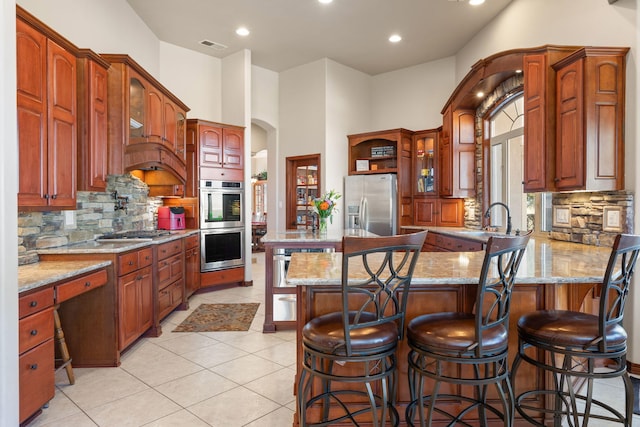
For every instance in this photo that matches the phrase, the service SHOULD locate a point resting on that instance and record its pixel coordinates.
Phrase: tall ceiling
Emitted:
(289, 33)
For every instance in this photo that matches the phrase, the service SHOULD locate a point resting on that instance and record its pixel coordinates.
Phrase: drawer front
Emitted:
(170, 270)
(35, 329)
(80, 285)
(192, 241)
(35, 302)
(145, 257)
(165, 250)
(127, 263)
(36, 374)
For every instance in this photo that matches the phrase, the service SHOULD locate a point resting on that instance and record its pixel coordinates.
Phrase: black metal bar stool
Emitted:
(349, 362)
(467, 349)
(573, 348)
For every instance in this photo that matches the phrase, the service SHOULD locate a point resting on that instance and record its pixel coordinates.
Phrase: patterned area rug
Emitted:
(219, 317)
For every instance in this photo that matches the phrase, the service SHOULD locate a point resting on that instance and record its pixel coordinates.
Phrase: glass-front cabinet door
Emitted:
(303, 185)
(425, 147)
(137, 110)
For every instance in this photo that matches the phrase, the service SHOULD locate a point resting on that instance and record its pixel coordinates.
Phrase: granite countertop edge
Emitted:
(40, 274)
(115, 247)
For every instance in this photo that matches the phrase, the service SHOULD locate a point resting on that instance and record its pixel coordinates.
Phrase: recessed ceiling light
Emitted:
(325, 1)
(395, 38)
(475, 2)
(518, 71)
(243, 31)
(480, 94)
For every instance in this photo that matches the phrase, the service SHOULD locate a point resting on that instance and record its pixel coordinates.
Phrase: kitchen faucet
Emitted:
(487, 214)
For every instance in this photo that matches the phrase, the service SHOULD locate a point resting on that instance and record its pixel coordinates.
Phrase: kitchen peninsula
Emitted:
(553, 274)
(276, 245)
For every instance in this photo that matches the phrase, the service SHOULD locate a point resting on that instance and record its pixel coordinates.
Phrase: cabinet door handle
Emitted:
(34, 332)
(55, 196)
(556, 179)
(46, 196)
(33, 304)
(139, 278)
(33, 366)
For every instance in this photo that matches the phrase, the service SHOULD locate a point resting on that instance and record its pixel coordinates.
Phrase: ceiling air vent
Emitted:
(213, 45)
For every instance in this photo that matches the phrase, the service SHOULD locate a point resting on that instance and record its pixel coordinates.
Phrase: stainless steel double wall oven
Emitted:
(221, 224)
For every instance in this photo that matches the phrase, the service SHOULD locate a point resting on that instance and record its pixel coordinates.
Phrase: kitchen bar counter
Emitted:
(553, 275)
(276, 291)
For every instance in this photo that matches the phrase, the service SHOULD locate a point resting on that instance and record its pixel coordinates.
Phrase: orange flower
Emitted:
(324, 206)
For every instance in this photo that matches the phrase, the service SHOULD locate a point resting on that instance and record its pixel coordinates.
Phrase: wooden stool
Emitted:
(58, 335)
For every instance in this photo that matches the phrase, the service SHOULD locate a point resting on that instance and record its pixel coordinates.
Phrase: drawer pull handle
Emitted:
(87, 284)
(130, 262)
(33, 304)
(34, 332)
(139, 278)
(33, 366)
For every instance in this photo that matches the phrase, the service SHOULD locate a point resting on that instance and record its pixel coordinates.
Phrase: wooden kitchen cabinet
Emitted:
(135, 295)
(387, 151)
(438, 212)
(192, 264)
(215, 151)
(590, 101)
(36, 351)
(46, 113)
(145, 125)
(170, 270)
(456, 154)
(92, 121)
(540, 117)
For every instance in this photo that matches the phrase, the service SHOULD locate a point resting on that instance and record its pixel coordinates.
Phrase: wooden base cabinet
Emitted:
(170, 277)
(192, 265)
(36, 361)
(436, 212)
(135, 295)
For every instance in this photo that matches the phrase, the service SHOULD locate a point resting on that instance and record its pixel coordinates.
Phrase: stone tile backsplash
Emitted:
(95, 215)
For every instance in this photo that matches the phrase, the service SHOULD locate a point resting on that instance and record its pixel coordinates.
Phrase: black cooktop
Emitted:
(135, 234)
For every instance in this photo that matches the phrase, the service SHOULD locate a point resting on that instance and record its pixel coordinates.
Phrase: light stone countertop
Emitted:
(107, 247)
(306, 236)
(32, 276)
(545, 261)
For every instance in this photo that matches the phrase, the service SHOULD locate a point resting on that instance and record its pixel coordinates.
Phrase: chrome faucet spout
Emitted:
(487, 214)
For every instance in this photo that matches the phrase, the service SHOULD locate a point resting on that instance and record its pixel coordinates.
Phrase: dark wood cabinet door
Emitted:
(233, 146)
(170, 123)
(451, 212)
(535, 142)
(464, 152)
(62, 126)
(210, 146)
(570, 149)
(445, 155)
(92, 125)
(155, 115)
(424, 212)
(145, 300)
(128, 309)
(31, 52)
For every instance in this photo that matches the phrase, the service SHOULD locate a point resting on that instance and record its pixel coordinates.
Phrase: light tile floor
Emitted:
(220, 379)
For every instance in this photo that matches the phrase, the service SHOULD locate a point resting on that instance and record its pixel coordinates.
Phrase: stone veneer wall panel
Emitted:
(95, 215)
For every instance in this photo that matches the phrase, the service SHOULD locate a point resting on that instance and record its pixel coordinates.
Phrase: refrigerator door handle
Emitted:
(363, 217)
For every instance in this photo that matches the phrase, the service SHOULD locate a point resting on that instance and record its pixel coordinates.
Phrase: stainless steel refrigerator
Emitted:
(370, 203)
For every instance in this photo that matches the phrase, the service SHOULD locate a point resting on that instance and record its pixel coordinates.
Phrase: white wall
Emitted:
(194, 78)
(302, 103)
(413, 97)
(348, 110)
(103, 26)
(8, 219)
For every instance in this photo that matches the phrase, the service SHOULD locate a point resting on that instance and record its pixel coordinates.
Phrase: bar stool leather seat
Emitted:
(348, 369)
(467, 349)
(326, 333)
(574, 348)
